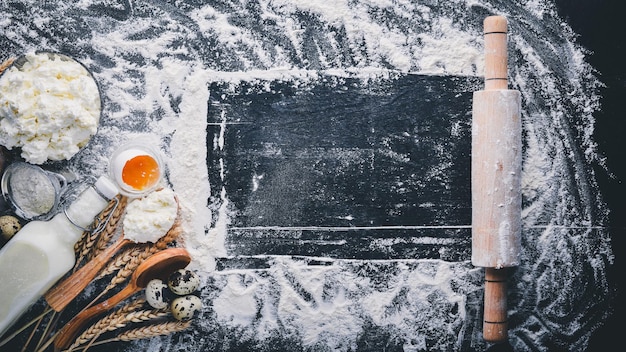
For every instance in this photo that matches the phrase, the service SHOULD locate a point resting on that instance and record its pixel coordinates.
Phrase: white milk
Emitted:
(43, 251)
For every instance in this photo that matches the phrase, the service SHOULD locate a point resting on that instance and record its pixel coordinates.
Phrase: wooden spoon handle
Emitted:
(70, 331)
(63, 293)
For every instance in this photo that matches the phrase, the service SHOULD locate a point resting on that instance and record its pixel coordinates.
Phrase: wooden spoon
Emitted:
(159, 265)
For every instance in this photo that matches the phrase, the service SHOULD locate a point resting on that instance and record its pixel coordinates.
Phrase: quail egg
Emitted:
(184, 308)
(157, 294)
(183, 282)
(9, 226)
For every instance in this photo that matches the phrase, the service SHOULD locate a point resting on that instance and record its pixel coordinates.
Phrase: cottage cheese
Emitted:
(49, 107)
(149, 218)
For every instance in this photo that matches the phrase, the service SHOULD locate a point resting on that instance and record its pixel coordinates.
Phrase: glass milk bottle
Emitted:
(43, 251)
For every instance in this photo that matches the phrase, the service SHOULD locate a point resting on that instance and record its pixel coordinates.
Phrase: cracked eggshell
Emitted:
(183, 282)
(185, 308)
(157, 294)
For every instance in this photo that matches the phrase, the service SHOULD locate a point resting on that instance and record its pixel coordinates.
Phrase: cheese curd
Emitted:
(49, 107)
(149, 218)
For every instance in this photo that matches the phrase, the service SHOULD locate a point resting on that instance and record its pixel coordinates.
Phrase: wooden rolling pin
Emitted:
(496, 179)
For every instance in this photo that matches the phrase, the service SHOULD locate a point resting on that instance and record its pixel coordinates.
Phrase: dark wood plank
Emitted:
(341, 155)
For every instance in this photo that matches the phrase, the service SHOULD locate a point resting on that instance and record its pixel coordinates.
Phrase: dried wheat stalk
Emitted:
(126, 262)
(6, 64)
(144, 332)
(110, 227)
(86, 240)
(153, 330)
(123, 258)
(84, 245)
(84, 248)
(119, 319)
(101, 325)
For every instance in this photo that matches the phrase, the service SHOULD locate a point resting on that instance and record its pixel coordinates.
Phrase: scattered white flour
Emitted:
(49, 107)
(149, 218)
(157, 64)
(187, 154)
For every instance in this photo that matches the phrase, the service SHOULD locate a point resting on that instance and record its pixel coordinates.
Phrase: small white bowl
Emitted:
(122, 156)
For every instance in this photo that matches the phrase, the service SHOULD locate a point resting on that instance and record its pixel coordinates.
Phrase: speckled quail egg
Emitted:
(183, 282)
(186, 307)
(9, 226)
(157, 294)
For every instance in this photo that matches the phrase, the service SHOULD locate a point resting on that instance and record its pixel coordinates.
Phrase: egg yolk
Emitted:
(141, 172)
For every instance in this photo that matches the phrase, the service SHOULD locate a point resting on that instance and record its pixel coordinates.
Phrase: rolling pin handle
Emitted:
(495, 32)
(495, 322)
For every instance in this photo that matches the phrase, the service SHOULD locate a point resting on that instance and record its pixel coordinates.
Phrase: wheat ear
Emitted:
(84, 248)
(110, 227)
(103, 324)
(154, 330)
(84, 244)
(119, 319)
(126, 262)
(6, 64)
(145, 332)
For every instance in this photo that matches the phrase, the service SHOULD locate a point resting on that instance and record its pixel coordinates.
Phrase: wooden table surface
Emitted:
(344, 171)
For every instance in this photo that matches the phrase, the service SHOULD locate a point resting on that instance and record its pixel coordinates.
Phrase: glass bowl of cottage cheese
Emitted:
(50, 106)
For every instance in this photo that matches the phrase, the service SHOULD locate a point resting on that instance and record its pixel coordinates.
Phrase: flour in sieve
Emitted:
(32, 192)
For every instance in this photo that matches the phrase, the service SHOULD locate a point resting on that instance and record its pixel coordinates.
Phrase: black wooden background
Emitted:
(341, 168)
(598, 24)
(378, 171)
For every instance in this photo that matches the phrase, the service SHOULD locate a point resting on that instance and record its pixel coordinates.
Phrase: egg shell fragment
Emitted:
(183, 282)
(185, 308)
